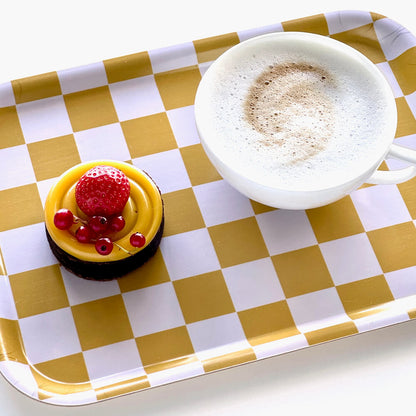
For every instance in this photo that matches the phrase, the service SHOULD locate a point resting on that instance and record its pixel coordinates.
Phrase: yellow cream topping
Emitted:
(143, 212)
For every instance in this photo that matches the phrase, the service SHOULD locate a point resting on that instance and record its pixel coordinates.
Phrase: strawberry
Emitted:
(103, 190)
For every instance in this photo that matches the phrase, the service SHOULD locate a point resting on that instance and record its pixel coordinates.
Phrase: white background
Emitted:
(372, 373)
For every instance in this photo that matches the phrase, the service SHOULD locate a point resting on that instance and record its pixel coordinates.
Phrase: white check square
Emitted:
(19, 259)
(251, 33)
(19, 371)
(286, 230)
(167, 169)
(346, 20)
(44, 187)
(351, 258)
(82, 77)
(402, 282)
(394, 39)
(113, 359)
(217, 336)
(177, 373)
(406, 141)
(137, 97)
(204, 67)
(173, 57)
(317, 310)
(7, 306)
(49, 335)
(385, 68)
(44, 119)
(411, 101)
(104, 142)
(153, 309)
(253, 284)
(6, 95)
(15, 167)
(83, 290)
(280, 346)
(380, 206)
(189, 254)
(387, 317)
(182, 122)
(219, 203)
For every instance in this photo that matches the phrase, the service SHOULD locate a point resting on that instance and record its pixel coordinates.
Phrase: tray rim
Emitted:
(9, 373)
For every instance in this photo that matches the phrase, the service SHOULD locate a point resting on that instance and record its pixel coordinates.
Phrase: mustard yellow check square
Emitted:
(29, 290)
(404, 71)
(165, 349)
(370, 47)
(394, 246)
(148, 135)
(229, 360)
(365, 297)
(11, 341)
(406, 121)
(203, 297)
(199, 167)
(90, 108)
(331, 332)
(408, 193)
(313, 24)
(10, 130)
(182, 212)
(238, 242)
(302, 271)
(102, 322)
(24, 201)
(268, 323)
(153, 272)
(211, 48)
(36, 87)
(336, 220)
(128, 67)
(178, 87)
(52, 157)
(68, 369)
(122, 387)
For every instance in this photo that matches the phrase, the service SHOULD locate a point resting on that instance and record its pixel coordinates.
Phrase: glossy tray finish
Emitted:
(233, 281)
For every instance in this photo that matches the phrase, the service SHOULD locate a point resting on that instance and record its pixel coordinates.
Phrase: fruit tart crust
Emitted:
(105, 270)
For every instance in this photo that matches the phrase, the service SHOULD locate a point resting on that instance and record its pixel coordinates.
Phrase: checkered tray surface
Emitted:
(233, 281)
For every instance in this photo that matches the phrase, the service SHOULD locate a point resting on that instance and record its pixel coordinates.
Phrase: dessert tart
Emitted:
(104, 219)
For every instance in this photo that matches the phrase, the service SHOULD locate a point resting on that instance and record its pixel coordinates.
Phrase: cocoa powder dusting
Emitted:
(289, 106)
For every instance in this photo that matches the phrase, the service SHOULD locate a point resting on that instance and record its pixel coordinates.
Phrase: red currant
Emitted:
(104, 246)
(98, 224)
(63, 219)
(84, 234)
(117, 223)
(137, 240)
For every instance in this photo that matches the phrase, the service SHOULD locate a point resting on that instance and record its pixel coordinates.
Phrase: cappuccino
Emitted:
(294, 115)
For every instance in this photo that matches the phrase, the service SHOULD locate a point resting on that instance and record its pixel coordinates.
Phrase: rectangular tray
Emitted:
(233, 281)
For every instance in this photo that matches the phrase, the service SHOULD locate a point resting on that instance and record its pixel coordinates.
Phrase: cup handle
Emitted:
(382, 177)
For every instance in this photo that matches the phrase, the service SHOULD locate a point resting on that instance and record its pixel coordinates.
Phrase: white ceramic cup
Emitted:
(280, 197)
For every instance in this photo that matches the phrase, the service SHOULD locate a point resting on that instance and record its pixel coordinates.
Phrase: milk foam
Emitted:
(310, 129)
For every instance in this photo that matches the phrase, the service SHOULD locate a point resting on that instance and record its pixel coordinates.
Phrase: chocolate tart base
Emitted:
(105, 270)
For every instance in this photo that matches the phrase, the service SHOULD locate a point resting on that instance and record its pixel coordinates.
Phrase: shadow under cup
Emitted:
(259, 164)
